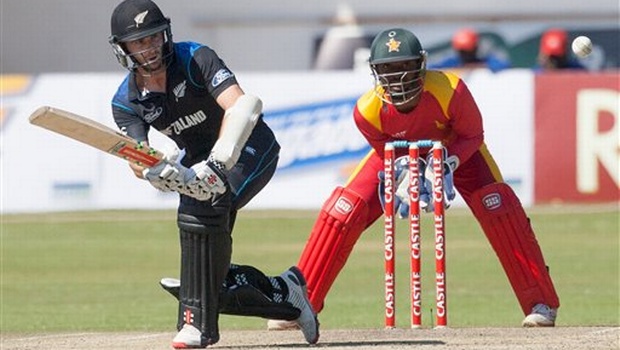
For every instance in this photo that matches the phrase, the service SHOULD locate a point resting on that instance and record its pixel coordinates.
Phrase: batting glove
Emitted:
(206, 180)
(167, 175)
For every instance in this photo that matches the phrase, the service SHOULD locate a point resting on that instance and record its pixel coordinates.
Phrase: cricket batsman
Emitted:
(410, 103)
(185, 91)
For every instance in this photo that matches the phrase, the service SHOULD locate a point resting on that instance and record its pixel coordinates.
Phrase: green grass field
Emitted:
(99, 271)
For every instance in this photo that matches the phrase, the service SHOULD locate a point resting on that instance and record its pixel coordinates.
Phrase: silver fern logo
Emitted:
(139, 19)
(179, 90)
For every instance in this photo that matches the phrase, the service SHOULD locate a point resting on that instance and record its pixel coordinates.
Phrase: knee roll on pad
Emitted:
(508, 229)
(341, 221)
(203, 224)
(205, 217)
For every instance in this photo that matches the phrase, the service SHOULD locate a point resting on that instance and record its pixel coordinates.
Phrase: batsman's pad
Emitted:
(206, 248)
(508, 229)
(340, 223)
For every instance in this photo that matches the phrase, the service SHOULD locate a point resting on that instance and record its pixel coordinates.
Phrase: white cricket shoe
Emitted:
(541, 316)
(188, 338)
(281, 325)
(298, 297)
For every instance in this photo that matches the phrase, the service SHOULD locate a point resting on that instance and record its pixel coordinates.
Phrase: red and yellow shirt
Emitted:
(446, 112)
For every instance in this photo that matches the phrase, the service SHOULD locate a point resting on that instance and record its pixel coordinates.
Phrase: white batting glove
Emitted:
(206, 180)
(167, 175)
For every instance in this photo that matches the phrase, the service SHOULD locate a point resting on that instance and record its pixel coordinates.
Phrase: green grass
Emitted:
(99, 271)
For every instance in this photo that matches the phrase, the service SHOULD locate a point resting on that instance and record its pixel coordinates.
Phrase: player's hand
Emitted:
(449, 165)
(401, 183)
(138, 170)
(167, 175)
(401, 207)
(206, 180)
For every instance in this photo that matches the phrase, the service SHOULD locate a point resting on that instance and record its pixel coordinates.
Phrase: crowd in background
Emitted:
(470, 47)
(553, 53)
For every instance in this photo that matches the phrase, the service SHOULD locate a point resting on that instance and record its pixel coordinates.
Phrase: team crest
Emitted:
(139, 19)
(393, 45)
(179, 90)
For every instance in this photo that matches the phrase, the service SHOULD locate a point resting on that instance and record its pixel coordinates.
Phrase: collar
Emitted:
(135, 94)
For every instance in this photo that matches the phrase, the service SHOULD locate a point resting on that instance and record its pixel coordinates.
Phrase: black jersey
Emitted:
(187, 112)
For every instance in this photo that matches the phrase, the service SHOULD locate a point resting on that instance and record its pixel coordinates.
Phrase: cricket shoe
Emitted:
(281, 325)
(171, 285)
(298, 297)
(541, 316)
(188, 338)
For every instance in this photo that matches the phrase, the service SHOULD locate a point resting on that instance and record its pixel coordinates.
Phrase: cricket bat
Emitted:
(96, 135)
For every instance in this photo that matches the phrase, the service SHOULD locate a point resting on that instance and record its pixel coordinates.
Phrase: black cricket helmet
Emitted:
(398, 63)
(134, 20)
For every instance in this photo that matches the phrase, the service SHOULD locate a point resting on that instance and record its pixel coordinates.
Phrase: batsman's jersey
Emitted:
(187, 112)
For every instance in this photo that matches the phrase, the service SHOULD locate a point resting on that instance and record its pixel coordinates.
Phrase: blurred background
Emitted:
(71, 35)
(555, 134)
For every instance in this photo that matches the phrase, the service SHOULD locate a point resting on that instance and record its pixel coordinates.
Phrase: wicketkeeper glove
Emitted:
(449, 166)
(401, 183)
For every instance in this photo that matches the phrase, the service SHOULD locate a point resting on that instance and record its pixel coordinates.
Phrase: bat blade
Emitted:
(94, 134)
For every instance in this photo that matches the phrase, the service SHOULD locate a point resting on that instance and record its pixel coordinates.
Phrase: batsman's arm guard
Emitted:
(237, 125)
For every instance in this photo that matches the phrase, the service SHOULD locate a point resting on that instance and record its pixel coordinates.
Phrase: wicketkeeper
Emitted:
(410, 103)
(185, 91)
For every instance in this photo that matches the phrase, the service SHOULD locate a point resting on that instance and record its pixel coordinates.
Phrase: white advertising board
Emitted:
(309, 111)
